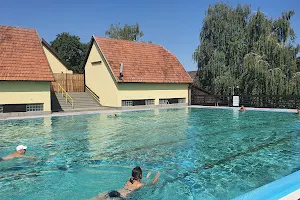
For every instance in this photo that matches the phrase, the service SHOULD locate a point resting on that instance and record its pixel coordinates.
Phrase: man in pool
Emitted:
(134, 183)
(242, 109)
(112, 116)
(20, 151)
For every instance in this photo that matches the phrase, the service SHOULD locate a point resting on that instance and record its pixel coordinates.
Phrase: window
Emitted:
(181, 100)
(141, 102)
(149, 102)
(163, 101)
(96, 63)
(172, 101)
(14, 108)
(1, 108)
(127, 103)
(34, 107)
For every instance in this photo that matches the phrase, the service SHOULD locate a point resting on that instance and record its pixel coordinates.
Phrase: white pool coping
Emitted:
(292, 196)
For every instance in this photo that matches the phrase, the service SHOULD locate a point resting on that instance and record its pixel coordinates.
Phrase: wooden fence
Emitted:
(70, 82)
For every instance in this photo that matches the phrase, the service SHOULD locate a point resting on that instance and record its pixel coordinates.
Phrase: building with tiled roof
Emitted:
(128, 73)
(57, 65)
(25, 73)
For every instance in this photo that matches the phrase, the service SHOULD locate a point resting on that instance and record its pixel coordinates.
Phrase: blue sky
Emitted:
(175, 24)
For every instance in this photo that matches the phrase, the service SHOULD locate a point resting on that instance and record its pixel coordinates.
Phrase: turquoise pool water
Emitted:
(201, 153)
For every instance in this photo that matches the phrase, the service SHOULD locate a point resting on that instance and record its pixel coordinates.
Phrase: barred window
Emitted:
(163, 101)
(139, 102)
(150, 102)
(127, 103)
(172, 101)
(181, 100)
(34, 107)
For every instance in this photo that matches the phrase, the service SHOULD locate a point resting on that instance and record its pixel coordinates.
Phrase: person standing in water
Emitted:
(134, 183)
(20, 151)
(242, 109)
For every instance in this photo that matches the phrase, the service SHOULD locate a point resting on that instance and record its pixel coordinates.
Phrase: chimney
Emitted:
(121, 71)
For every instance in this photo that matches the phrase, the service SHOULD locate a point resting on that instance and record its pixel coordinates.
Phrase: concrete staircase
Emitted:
(83, 101)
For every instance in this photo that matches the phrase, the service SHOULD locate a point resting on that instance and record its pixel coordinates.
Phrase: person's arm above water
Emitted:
(148, 175)
(155, 179)
(31, 157)
(10, 156)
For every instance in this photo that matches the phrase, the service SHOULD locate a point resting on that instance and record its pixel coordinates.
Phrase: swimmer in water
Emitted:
(112, 116)
(134, 183)
(20, 151)
(298, 111)
(242, 109)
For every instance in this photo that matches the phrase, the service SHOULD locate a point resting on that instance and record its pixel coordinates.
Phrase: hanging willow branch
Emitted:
(250, 50)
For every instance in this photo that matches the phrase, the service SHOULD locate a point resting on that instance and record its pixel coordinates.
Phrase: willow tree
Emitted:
(128, 32)
(245, 49)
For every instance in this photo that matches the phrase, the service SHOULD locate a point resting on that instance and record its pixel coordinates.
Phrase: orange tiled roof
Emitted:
(21, 56)
(142, 62)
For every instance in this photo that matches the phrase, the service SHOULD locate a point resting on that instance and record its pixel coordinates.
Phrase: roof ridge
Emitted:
(129, 41)
(17, 27)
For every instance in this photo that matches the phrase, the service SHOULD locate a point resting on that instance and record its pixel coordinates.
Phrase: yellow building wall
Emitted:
(25, 92)
(99, 79)
(55, 65)
(135, 91)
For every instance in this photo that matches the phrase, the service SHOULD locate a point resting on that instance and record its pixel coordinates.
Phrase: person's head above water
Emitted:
(21, 149)
(136, 174)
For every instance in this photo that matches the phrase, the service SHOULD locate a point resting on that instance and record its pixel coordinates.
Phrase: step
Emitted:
(82, 101)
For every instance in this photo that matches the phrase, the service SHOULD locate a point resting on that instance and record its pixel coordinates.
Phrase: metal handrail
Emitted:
(93, 94)
(66, 95)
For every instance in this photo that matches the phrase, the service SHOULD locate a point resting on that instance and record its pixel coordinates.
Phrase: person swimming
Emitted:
(20, 151)
(134, 183)
(112, 116)
(298, 111)
(242, 109)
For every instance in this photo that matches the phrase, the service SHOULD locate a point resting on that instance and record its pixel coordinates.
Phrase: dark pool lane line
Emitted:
(169, 143)
(252, 150)
(205, 166)
(242, 127)
(228, 159)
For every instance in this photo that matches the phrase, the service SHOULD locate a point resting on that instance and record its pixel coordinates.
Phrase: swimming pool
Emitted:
(201, 153)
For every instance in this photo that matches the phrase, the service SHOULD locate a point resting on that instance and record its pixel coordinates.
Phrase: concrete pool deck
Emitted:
(286, 188)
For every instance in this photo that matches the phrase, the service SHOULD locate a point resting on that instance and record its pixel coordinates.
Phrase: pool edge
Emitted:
(61, 114)
(278, 189)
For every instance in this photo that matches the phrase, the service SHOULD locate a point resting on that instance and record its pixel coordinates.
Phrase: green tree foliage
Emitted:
(71, 50)
(298, 63)
(249, 50)
(128, 32)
